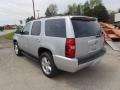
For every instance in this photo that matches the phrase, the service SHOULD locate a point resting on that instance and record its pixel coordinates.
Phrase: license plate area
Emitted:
(93, 45)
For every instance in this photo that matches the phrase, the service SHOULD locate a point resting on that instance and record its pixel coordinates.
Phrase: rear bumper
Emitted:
(73, 65)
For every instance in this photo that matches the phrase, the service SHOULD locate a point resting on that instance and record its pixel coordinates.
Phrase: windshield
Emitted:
(85, 28)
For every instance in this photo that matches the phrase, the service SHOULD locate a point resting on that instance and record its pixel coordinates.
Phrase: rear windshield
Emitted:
(85, 28)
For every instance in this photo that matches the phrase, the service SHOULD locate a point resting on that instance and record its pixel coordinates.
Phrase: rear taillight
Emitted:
(70, 48)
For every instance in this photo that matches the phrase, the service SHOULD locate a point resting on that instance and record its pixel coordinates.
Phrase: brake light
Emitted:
(70, 48)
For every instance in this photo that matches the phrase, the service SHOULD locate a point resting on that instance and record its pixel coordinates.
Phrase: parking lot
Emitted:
(22, 73)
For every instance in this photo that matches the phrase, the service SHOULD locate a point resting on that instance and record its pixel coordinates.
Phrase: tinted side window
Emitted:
(36, 28)
(55, 28)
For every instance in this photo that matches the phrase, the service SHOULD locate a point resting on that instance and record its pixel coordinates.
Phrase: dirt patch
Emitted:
(5, 43)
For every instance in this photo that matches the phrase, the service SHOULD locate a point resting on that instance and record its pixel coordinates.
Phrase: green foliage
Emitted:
(101, 13)
(93, 8)
(47, 13)
(74, 9)
(51, 10)
(78, 10)
(94, 3)
(9, 36)
(87, 10)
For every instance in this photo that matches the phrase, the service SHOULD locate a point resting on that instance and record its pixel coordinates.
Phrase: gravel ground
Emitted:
(22, 73)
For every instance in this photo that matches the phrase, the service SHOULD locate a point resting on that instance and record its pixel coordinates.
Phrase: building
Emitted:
(9, 27)
(117, 19)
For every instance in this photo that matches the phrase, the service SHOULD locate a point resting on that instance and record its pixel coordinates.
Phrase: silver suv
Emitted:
(67, 43)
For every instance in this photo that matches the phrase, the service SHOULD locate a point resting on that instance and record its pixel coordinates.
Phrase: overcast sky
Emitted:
(11, 11)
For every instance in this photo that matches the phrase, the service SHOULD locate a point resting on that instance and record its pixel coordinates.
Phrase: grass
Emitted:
(9, 36)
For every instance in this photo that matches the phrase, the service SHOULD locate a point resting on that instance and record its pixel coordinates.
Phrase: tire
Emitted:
(17, 49)
(47, 65)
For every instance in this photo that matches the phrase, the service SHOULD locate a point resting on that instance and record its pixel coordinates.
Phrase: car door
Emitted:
(23, 39)
(35, 38)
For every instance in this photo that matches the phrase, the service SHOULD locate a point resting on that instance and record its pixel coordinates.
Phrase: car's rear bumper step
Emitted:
(93, 57)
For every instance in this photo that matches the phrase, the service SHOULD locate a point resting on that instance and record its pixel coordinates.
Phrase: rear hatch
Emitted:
(89, 36)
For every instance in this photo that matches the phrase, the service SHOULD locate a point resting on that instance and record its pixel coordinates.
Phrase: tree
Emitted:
(79, 9)
(29, 19)
(101, 13)
(47, 13)
(87, 10)
(70, 10)
(94, 3)
(95, 8)
(89, 7)
(74, 9)
(51, 10)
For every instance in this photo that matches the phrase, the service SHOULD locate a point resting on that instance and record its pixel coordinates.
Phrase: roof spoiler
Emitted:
(84, 18)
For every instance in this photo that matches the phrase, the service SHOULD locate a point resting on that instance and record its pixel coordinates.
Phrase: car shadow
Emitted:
(91, 76)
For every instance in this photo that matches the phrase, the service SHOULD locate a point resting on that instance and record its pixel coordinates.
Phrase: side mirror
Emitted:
(19, 29)
(24, 33)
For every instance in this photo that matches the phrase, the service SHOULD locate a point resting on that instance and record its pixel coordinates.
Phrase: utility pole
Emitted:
(38, 13)
(33, 8)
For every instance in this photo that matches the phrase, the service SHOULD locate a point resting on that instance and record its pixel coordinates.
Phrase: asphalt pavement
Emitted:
(22, 73)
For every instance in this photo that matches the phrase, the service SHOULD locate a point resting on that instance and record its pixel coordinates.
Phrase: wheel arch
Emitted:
(14, 40)
(42, 50)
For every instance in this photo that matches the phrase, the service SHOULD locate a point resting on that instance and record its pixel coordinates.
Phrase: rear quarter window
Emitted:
(36, 28)
(55, 28)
